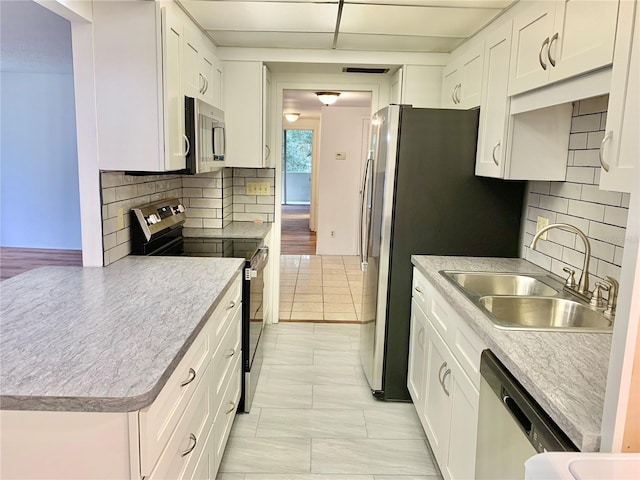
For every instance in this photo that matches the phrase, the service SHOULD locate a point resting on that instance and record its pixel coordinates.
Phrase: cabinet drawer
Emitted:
(221, 317)
(441, 314)
(225, 358)
(467, 348)
(185, 446)
(226, 413)
(158, 421)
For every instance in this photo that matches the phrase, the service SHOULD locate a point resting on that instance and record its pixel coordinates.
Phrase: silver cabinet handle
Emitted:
(206, 85)
(542, 64)
(268, 155)
(232, 352)
(493, 154)
(232, 408)
(453, 94)
(604, 164)
(192, 438)
(551, 59)
(421, 338)
(231, 305)
(201, 82)
(192, 377)
(458, 88)
(442, 367)
(444, 377)
(187, 145)
(418, 289)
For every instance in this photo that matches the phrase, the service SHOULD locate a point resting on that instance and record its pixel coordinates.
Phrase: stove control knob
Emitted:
(181, 208)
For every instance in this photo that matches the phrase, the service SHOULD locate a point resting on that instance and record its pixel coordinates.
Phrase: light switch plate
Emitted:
(540, 224)
(258, 188)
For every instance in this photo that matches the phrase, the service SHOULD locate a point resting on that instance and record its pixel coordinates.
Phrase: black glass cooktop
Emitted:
(221, 247)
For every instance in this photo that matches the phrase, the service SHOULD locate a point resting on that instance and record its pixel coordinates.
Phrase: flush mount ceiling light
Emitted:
(328, 98)
(291, 117)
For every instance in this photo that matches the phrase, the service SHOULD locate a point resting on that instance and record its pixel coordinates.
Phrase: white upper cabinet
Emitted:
(417, 85)
(142, 74)
(620, 148)
(247, 103)
(556, 40)
(395, 90)
(202, 72)
(462, 79)
(494, 108)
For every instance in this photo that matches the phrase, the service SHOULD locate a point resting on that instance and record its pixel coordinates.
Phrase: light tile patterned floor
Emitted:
(314, 418)
(320, 288)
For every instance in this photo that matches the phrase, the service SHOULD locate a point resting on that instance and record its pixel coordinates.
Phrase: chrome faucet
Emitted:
(583, 282)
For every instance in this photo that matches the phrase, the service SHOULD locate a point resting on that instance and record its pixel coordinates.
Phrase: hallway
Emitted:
(296, 238)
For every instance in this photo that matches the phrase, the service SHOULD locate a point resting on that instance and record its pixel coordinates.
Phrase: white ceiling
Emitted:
(373, 25)
(306, 103)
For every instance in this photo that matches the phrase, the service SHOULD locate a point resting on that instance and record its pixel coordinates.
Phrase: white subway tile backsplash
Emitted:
(109, 241)
(585, 123)
(250, 217)
(616, 216)
(206, 203)
(244, 198)
(108, 195)
(580, 175)
(212, 223)
(607, 233)
(193, 223)
(266, 199)
(592, 211)
(192, 192)
(592, 193)
(578, 201)
(586, 158)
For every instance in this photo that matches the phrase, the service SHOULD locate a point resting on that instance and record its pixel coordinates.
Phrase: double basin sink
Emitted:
(528, 302)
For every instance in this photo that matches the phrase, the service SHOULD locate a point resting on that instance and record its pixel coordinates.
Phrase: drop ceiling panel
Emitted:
(397, 43)
(264, 16)
(272, 39)
(500, 4)
(418, 21)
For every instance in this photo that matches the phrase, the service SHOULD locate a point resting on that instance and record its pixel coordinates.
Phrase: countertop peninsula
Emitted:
(566, 373)
(103, 339)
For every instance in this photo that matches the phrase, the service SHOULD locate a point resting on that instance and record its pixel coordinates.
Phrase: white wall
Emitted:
(39, 168)
(339, 180)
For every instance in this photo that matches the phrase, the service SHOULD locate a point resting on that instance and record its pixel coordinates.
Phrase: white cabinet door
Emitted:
(465, 398)
(494, 108)
(176, 144)
(584, 36)
(268, 159)
(529, 55)
(191, 63)
(417, 358)
(470, 90)
(208, 74)
(437, 405)
(621, 149)
(450, 86)
(244, 86)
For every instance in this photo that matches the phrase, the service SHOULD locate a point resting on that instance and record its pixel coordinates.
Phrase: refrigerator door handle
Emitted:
(363, 193)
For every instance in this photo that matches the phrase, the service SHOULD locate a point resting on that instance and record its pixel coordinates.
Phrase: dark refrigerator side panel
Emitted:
(441, 208)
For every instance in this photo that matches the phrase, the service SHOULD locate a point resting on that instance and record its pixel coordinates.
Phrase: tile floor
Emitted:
(313, 416)
(320, 287)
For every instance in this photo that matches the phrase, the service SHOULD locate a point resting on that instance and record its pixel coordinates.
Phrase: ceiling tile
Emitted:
(264, 16)
(397, 43)
(272, 39)
(418, 21)
(441, 3)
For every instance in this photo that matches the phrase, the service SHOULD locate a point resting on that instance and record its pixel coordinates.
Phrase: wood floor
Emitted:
(296, 238)
(14, 261)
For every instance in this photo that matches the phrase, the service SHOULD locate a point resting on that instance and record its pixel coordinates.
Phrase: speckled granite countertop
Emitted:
(103, 339)
(234, 230)
(566, 373)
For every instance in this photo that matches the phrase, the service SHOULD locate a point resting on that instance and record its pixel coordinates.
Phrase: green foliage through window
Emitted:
(296, 154)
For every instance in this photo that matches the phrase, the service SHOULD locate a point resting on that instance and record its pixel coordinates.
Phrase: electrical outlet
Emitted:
(540, 224)
(120, 220)
(258, 188)
(333, 234)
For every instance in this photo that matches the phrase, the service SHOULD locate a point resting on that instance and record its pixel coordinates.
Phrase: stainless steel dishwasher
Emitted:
(511, 425)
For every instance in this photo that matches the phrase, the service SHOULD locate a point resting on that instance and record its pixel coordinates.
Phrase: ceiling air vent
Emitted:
(377, 71)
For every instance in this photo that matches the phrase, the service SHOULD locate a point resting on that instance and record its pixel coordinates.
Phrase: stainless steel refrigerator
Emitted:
(420, 195)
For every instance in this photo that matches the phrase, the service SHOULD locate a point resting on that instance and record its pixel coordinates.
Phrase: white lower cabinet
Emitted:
(443, 385)
(181, 435)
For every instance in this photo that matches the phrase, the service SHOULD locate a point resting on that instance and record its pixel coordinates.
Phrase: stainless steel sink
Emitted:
(543, 313)
(486, 283)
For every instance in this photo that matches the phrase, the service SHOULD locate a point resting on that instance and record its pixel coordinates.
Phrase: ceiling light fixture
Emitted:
(291, 117)
(328, 98)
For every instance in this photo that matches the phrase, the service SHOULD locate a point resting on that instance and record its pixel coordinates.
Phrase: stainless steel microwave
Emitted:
(205, 132)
